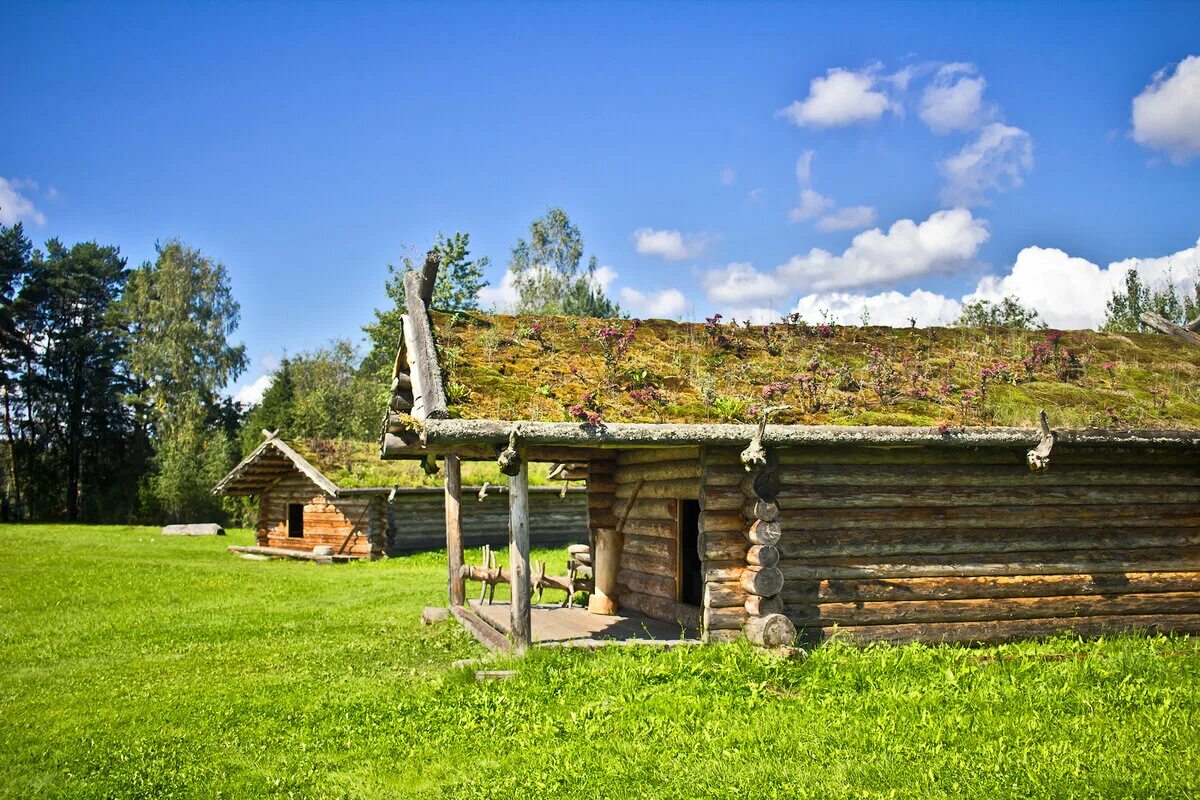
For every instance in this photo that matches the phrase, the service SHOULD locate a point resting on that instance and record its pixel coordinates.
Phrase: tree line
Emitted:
(112, 378)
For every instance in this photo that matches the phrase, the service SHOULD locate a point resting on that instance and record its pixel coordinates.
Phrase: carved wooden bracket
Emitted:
(1039, 457)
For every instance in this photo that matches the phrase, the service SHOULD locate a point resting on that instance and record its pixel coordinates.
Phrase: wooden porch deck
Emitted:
(574, 627)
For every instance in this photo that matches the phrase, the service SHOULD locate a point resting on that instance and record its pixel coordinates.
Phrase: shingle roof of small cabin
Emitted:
(565, 368)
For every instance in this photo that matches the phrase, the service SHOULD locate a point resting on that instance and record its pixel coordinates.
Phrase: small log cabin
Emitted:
(338, 494)
(936, 485)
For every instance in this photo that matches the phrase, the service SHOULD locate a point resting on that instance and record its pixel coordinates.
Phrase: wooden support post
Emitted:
(518, 556)
(454, 541)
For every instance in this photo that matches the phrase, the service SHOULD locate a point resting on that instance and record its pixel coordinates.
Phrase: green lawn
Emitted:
(137, 665)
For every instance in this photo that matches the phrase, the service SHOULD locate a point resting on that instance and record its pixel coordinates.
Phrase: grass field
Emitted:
(136, 665)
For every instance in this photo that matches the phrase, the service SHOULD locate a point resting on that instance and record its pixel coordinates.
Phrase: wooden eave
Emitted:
(269, 462)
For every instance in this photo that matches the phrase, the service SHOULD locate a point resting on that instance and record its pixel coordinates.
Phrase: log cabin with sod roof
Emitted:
(936, 485)
(338, 494)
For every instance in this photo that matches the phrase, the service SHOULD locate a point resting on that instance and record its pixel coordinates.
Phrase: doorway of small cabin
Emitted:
(690, 581)
(295, 521)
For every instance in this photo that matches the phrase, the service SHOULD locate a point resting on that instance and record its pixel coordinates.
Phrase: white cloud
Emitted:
(996, 160)
(804, 167)
(947, 240)
(1166, 115)
(501, 298)
(885, 308)
(739, 282)
(604, 277)
(670, 245)
(842, 97)
(1072, 292)
(252, 394)
(756, 196)
(728, 176)
(15, 207)
(811, 204)
(847, 219)
(1067, 291)
(665, 304)
(953, 100)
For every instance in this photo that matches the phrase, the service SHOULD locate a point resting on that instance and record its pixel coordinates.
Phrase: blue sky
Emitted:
(958, 150)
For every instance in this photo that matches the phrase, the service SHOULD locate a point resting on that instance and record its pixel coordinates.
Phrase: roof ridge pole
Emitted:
(424, 358)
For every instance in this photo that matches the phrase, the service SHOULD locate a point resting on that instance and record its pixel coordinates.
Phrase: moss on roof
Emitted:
(357, 465)
(567, 368)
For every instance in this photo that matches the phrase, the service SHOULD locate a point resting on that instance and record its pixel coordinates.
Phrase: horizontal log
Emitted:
(722, 522)
(724, 595)
(1064, 454)
(762, 581)
(763, 555)
(859, 590)
(802, 476)
(724, 618)
(656, 454)
(662, 530)
(721, 571)
(601, 502)
(659, 471)
(1002, 517)
(662, 609)
(717, 498)
(601, 518)
(993, 608)
(878, 496)
(1180, 559)
(723, 547)
(480, 431)
(1007, 630)
(762, 606)
(647, 584)
(772, 630)
(651, 565)
(600, 485)
(722, 636)
(722, 475)
(654, 546)
(833, 544)
(652, 508)
(724, 456)
(683, 488)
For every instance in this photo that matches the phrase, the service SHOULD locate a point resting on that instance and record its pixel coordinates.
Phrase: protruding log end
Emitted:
(762, 581)
(773, 630)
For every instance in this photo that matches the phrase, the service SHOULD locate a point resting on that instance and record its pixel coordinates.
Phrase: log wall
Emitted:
(970, 546)
(416, 521)
(420, 518)
(327, 521)
(649, 575)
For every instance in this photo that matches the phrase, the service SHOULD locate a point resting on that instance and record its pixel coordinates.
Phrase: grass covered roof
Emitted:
(592, 371)
(356, 465)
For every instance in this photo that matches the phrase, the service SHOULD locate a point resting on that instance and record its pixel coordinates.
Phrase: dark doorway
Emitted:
(295, 520)
(691, 575)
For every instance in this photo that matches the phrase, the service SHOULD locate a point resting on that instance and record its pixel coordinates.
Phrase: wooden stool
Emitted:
(579, 566)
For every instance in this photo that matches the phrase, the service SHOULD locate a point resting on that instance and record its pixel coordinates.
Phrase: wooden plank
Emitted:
(484, 633)
(1164, 325)
(1064, 455)
(858, 544)
(518, 555)
(860, 590)
(653, 546)
(648, 584)
(1183, 559)
(424, 355)
(996, 632)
